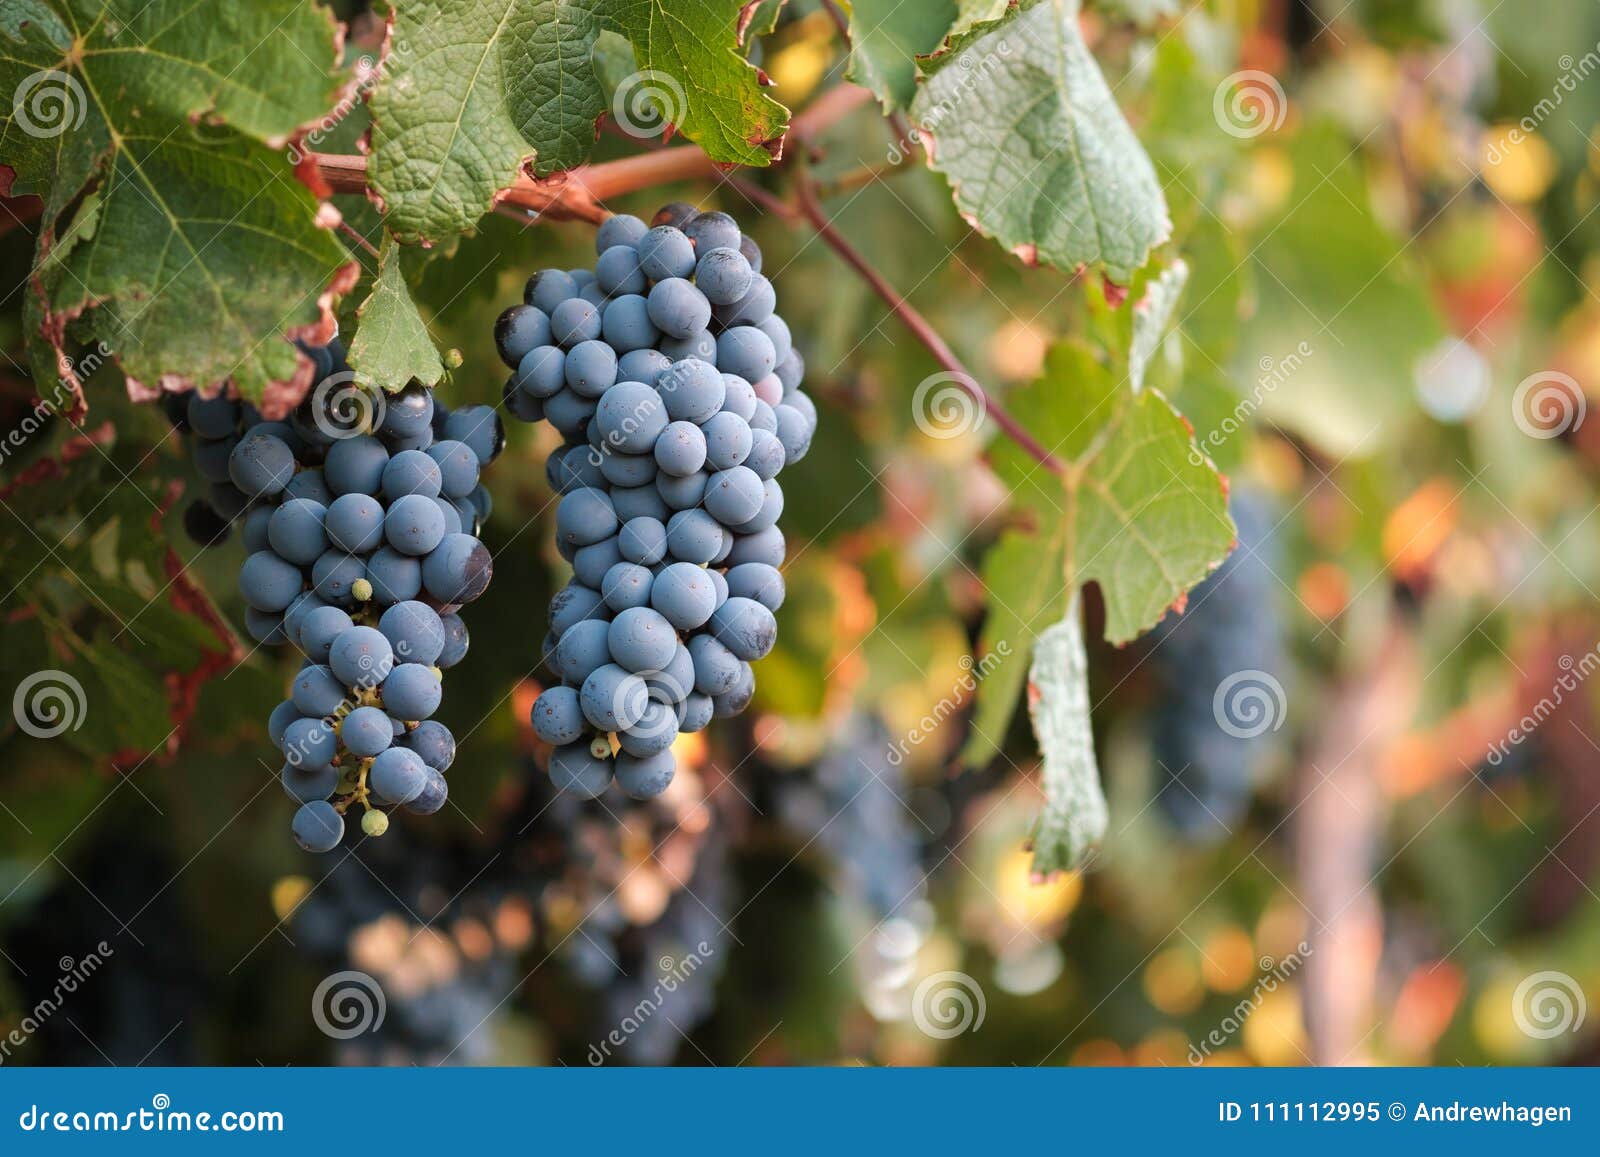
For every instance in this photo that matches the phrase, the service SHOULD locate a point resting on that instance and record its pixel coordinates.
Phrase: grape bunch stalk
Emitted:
(676, 389)
(360, 515)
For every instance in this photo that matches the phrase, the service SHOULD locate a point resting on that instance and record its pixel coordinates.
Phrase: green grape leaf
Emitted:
(391, 347)
(1152, 314)
(758, 18)
(887, 36)
(192, 248)
(1021, 123)
(476, 89)
(1074, 818)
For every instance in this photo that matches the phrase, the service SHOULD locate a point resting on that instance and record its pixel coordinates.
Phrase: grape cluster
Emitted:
(360, 516)
(676, 389)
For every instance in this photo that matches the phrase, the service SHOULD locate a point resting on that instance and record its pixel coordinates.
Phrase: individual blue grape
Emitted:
(771, 510)
(764, 417)
(414, 630)
(311, 485)
(572, 604)
(412, 692)
(577, 468)
(396, 577)
(675, 213)
(334, 577)
(758, 581)
(751, 252)
(366, 731)
(265, 627)
(214, 417)
(228, 500)
(458, 467)
(362, 657)
(684, 594)
(694, 536)
(766, 455)
(542, 371)
(261, 465)
(521, 406)
(268, 583)
(574, 320)
(802, 402)
(727, 440)
(641, 639)
(594, 295)
(712, 230)
(407, 418)
(628, 470)
(793, 431)
(458, 571)
(413, 525)
(518, 330)
(282, 715)
(294, 618)
(575, 771)
(304, 786)
(309, 743)
(723, 275)
(640, 502)
(434, 744)
(316, 691)
(432, 796)
(591, 368)
(590, 563)
(641, 365)
(569, 413)
(549, 288)
(317, 827)
(692, 390)
(455, 642)
(319, 629)
(682, 493)
(777, 331)
(619, 229)
(665, 252)
(716, 669)
(645, 777)
(612, 698)
(677, 308)
(411, 472)
(654, 732)
(254, 530)
(643, 540)
(740, 397)
(751, 309)
(625, 325)
(746, 351)
(631, 416)
(790, 371)
(295, 531)
(617, 271)
(354, 523)
(355, 465)
(480, 428)
(626, 585)
(701, 345)
(734, 701)
(719, 582)
(397, 775)
(585, 516)
(695, 713)
(581, 650)
(212, 457)
(674, 681)
(745, 627)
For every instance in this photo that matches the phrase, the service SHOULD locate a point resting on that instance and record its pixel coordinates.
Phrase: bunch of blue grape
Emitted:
(361, 514)
(1230, 631)
(676, 389)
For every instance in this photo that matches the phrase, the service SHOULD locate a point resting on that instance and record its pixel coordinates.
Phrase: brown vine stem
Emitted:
(811, 209)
